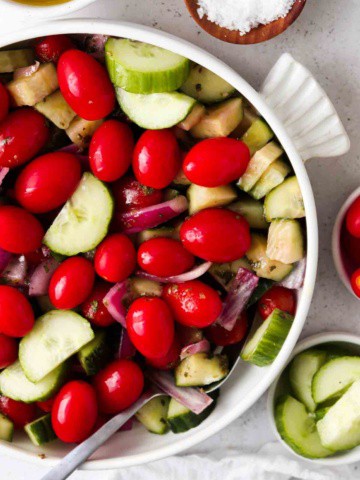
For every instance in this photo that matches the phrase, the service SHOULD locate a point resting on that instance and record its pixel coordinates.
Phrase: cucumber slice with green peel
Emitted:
(139, 67)
(206, 86)
(285, 241)
(249, 117)
(284, 201)
(264, 342)
(301, 374)
(320, 413)
(333, 378)
(156, 110)
(15, 385)
(6, 429)
(153, 415)
(10, 60)
(204, 197)
(83, 221)
(167, 232)
(258, 135)
(298, 429)
(40, 431)
(263, 286)
(95, 354)
(57, 110)
(201, 369)
(55, 337)
(273, 176)
(181, 419)
(224, 273)
(252, 210)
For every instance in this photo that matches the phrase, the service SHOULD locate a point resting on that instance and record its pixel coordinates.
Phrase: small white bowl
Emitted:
(22, 11)
(336, 241)
(351, 342)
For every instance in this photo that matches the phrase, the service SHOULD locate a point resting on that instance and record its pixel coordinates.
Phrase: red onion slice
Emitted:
(196, 272)
(113, 302)
(126, 348)
(41, 276)
(3, 172)
(295, 279)
(26, 71)
(240, 291)
(15, 272)
(199, 347)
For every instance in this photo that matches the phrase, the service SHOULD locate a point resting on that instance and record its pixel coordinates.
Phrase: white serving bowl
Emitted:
(349, 341)
(22, 11)
(248, 382)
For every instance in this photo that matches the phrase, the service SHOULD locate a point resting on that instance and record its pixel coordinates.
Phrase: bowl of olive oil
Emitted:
(42, 8)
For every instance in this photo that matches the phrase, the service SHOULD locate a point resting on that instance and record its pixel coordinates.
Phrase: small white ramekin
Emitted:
(22, 11)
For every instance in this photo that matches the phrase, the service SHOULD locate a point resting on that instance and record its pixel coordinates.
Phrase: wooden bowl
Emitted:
(256, 35)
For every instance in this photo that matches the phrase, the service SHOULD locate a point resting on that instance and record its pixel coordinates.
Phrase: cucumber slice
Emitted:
(206, 86)
(335, 377)
(340, 428)
(40, 431)
(252, 210)
(181, 179)
(298, 429)
(141, 287)
(10, 60)
(273, 176)
(6, 429)
(139, 67)
(80, 131)
(14, 384)
(154, 413)
(264, 342)
(95, 354)
(285, 201)
(194, 117)
(320, 413)
(181, 419)
(301, 374)
(258, 135)
(224, 273)
(56, 336)
(157, 110)
(285, 241)
(249, 117)
(55, 108)
(263, 286)
(83, 221)
(204, 197)
(167, 232)
(201, 369)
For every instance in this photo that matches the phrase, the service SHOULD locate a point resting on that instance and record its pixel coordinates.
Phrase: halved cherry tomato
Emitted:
(48, 181)
(111, 150)
(115, 258)
(355, 282)
(49, 49)
(20, 232)
(193, 303)
(71, 283)
(16, 315)
(150, 326)
(118, 385)
(94, 309)
(156, 159)
(90, 99)
(18, 412)
(46, 405)
(216, 161)
(216, 235)
(74, 412)
(130, 194)
(277, 297)
(222, 337)
(23, 133)
(170, 360)
(353, 219)
(8, 351)
(4, 102)
(164, 257)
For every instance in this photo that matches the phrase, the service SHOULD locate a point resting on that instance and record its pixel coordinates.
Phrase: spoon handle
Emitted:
(79, 454)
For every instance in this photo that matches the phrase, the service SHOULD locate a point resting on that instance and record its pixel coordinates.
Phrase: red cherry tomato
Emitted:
(49, 49)
(156, 159)
(216, 235)
(111, 150)
(355, 282)
(150, 326)
(94, 309)
(48, 181)
(353, 219)
(20, 232)
(170, 360)
(129, 194)
(33, 259)
(46, 405)
(115, 258)
(222, 337)
(164, 257)
(22, 135)
(16, 314)
(193, 303)
(350, 247)
(4, 102)
(8, 351)
(277, 297)
(18, 412)
(216, 161)
(74, 412)
(85, 85)
(71, 283)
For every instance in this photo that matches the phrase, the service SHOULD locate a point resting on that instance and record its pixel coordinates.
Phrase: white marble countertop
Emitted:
(326, 39)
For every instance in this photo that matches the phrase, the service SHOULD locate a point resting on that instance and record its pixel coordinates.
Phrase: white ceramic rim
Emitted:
(350, 456)
(182, 47)
(22, 10)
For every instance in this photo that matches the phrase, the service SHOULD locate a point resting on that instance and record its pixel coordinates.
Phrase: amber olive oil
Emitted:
(41, 3)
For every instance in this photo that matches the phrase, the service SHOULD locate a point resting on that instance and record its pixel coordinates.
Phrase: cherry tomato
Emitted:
(16, 314)
(216, 161)
(111, 150)
(216, 235)
(277, 297)
(48, 181)
(20, 232)
(170, 360)
(49, 49)
(222, 337)
(71, 283)
(156, 159)
(33, 259)
(74, 412)
(353, 219)
(164, 257)
(193, 303)
(8, 351)
(350, 248)
(4, 102)
(115, 258)
(18, 412)
(150, 326)
(85, 85)
(118, 385)
(94, 309)
(129, 194)
(23, 133)
(355, 282)
(46, 405)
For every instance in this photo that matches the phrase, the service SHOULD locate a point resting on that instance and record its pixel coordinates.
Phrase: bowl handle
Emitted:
(305, 110)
